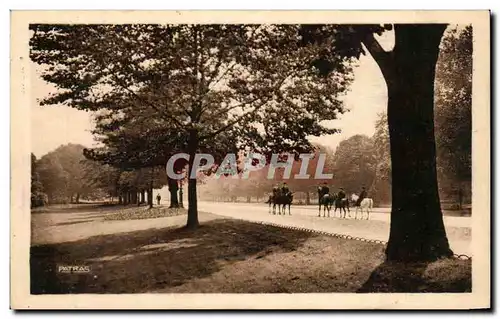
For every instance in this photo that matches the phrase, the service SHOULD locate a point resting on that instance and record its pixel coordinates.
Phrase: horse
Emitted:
(341, 204)
(327, 202)
(282, 200)
(365, 204)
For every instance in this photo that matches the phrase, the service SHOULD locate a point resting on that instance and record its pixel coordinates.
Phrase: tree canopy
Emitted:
(257, 84)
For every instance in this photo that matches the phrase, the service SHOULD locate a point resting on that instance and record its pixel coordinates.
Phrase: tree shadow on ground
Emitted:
(446, 275)
(142, 261)
(73, 222)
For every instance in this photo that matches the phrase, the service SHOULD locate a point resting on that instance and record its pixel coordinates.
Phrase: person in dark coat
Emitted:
(323, 190)
(341, 194)
(275, 190)
(284, 189)
(362, 196)
(158, 198)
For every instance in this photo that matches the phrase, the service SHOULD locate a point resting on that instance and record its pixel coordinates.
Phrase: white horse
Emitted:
(366, 204)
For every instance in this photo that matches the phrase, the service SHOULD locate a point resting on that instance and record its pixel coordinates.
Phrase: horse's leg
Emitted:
(319, 210)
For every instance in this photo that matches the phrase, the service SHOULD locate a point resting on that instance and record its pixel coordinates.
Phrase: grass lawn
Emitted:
(232, 256)
(144, 213)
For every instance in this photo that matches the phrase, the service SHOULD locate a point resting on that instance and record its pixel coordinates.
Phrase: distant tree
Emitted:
(453, 112)
(381, 186)
(67, 176)
(38, 197)
(355, 163)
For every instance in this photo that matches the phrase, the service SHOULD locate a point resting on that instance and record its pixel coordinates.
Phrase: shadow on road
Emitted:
(142, 261)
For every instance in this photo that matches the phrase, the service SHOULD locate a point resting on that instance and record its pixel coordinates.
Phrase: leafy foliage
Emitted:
(66, 175)
(38, 197)
(355, 163)
(453, 111)
(252, 80)
(189, 88)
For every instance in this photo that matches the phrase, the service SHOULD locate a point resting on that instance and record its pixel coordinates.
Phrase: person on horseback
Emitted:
(341, 194)
(284, 189)
(323, 190)
(362, 196)
(275, 190)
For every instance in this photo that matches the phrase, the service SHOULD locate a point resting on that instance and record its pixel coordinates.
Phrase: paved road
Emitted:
(458, 228)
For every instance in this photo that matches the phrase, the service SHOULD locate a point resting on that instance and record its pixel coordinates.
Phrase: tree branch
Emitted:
(242, 117)
(163, 114)
(377, 52)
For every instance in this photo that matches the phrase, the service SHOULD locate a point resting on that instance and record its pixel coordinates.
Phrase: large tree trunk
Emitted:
(417, 231)
(192, 220)
(173, 188)
(143, 196)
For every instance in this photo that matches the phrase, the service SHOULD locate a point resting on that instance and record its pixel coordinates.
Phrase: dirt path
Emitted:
(66, 226)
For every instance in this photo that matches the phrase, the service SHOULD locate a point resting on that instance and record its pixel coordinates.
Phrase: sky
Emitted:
(56, 125)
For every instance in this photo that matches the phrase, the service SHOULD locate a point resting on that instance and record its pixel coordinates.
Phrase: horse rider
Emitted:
(275, 190)
(323, 190)
(362, 196)
(284, 189)
(341, 194)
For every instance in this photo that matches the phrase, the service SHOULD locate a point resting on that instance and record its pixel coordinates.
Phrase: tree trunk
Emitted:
(133, 195)
(249, 199)
(150, 197)
(308, 198)
(77, 199)
(417, 231)
(460, 196)
(173, 188)
(192, 220)
(150, 190)
(143, 196)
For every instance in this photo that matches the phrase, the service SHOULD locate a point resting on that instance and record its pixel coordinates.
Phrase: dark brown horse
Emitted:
(341, 204)
(282, 201)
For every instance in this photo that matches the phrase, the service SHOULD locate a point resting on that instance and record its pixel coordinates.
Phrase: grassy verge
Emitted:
(145, 213)
(231, 256)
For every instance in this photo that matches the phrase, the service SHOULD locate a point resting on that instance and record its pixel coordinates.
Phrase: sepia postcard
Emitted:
(250, 160)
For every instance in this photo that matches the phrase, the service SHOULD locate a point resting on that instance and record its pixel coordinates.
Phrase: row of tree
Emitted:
(165, 89)
(65, 175)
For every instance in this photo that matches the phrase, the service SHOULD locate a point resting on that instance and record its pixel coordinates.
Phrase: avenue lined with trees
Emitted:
(159, 90)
